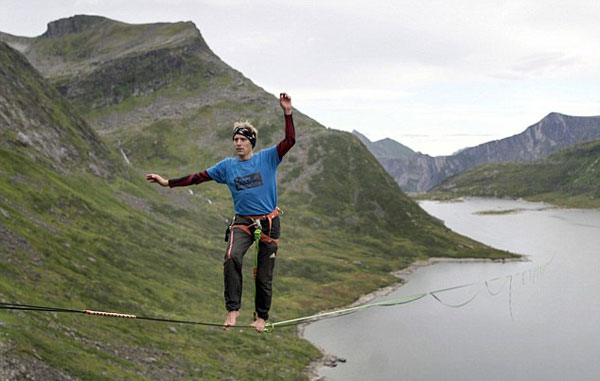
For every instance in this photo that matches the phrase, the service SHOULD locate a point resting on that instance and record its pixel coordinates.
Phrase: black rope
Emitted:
(29, 307)
(190, 322)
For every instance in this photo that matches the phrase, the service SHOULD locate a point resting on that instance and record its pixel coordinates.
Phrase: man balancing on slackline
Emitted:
(252, 180)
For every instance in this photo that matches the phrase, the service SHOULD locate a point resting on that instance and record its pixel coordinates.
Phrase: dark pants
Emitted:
(239, 242)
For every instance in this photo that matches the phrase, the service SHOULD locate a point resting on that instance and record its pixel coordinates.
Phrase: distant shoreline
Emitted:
(552, 200)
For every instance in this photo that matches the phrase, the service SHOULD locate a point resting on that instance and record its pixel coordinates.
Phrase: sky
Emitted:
(436, 76)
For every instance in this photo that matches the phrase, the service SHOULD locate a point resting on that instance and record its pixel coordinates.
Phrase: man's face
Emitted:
(242, 145)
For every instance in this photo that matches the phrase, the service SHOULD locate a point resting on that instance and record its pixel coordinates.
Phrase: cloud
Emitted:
(467, 135)
(354, 95)
(544, 61)
(548, 63)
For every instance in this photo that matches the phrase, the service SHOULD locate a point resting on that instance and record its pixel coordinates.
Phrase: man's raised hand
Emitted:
(286, 103)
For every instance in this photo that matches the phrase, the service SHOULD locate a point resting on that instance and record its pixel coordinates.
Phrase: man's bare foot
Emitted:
(231, 318)
(259, 324)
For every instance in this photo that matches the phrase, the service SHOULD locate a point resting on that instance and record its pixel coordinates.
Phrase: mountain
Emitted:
(569, 177)
(385, 148)
(419, 172)
(100, 64)
(99, 104)
(79, 228)
(413, 171)
(159, 94)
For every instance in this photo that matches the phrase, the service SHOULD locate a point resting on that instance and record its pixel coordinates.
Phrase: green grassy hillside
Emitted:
(570, 177)
(93, 234)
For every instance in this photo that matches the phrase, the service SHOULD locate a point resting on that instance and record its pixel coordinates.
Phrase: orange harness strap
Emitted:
(263, 237)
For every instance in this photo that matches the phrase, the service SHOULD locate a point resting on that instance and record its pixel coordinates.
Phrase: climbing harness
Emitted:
(259, 235)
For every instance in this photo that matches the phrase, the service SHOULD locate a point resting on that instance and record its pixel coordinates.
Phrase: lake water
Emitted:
(536, 320)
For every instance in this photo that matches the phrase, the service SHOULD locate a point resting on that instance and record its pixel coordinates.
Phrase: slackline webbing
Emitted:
(293, 322)
(29, 307)
(415, 297)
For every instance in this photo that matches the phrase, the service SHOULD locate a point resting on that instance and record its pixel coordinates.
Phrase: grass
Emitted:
(141, 264)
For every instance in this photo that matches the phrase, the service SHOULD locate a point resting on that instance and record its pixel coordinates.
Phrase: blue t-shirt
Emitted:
(253, 182)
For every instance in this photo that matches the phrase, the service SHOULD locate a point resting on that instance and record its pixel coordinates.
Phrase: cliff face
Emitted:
(36, 121)
(419, 173)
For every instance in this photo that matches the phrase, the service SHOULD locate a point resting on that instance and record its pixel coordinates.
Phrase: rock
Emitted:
(24, 139)
(332, 361)
(74, 24)
(150, 360)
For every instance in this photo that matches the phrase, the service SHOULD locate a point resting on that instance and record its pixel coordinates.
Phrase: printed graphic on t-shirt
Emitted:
(249, 181)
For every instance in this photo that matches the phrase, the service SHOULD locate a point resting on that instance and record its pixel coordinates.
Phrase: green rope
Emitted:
(405, 300)
(487, 285)
(257, 235)
(433, 293)
(345, 311)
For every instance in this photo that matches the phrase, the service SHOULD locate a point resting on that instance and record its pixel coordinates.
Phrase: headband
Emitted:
(245, 131)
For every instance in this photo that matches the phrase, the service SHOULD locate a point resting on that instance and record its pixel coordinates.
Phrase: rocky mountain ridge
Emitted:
(96, 62)
(420, 172)
(385, 148)
(569, 177)
(75, 24)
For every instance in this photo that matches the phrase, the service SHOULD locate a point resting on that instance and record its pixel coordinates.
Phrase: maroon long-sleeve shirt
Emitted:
(282, 148)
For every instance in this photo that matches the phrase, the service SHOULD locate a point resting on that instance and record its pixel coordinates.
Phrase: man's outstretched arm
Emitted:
(194, 178)
(290, 134)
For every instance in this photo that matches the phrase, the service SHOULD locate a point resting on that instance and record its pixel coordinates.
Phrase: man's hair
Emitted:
(246, 124)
